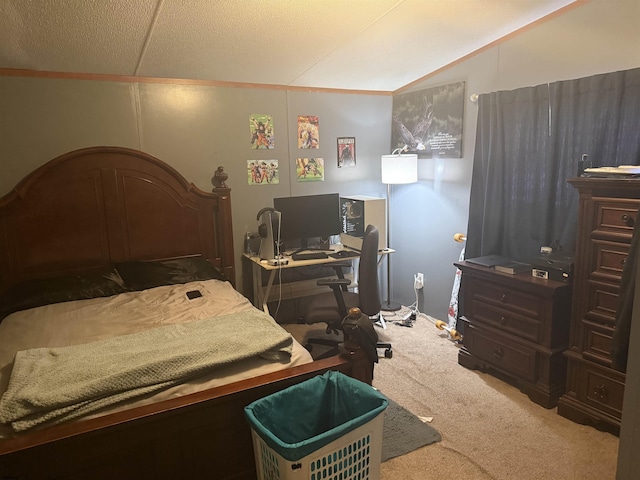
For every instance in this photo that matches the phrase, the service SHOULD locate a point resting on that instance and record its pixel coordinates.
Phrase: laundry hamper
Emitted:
(326, 428)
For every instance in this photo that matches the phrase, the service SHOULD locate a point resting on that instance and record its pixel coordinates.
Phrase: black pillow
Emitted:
(143, 275)
(45, 291)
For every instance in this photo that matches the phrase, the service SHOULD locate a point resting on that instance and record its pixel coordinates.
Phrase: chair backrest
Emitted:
(368, 289)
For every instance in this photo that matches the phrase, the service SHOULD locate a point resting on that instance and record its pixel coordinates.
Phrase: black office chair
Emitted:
(332, 308)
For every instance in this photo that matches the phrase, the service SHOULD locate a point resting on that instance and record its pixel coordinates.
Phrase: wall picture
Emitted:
(310, 170)
(262, 172)
(308, 131)
(429, 121)
(346, 152)
(261, 131)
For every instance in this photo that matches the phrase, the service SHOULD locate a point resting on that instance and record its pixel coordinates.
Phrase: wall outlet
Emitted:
(418, 281)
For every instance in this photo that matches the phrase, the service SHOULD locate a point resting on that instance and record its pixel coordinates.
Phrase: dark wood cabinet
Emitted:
(606, 215)
(516, 327)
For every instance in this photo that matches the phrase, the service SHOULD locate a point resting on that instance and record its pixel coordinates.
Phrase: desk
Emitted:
(259, 267)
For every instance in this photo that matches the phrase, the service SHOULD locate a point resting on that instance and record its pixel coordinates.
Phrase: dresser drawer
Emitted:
(597, 340)
(615, 217)
(506, 320)
(483, 292)
(608, 260)
(602, 302)
(501, 352)
(599, 387)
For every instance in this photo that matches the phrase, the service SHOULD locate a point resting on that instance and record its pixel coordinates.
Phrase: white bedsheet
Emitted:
(84, 321)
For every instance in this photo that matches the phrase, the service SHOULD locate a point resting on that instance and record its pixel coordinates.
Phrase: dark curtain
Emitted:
(528, 143)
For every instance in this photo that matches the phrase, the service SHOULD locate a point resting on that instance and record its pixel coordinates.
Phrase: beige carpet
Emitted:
(489, 429)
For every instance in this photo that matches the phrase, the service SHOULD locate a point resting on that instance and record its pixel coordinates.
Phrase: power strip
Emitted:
(278, 261)
(397, 316)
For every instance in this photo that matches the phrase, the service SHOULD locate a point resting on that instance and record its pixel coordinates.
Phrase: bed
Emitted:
(105, 247)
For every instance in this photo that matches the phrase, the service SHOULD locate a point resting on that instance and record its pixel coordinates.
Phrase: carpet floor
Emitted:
(490, 430)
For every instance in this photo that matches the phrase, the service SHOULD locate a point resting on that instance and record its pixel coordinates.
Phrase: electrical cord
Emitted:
(406, 316)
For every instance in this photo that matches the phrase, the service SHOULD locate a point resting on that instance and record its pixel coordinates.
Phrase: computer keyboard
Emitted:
(309, 255)
(344, 254)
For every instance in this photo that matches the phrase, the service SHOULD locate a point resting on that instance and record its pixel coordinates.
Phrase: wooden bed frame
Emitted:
(80, 213)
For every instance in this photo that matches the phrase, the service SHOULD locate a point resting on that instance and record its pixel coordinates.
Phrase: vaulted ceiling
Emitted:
(372, 45)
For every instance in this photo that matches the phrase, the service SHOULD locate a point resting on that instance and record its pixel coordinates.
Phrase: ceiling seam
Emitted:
(390, 9)
(147, 38)
(495, 43)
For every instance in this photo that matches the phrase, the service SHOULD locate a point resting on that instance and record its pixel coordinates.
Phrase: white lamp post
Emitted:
(397, 168)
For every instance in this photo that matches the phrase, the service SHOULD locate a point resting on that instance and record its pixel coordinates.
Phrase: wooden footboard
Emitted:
(203, 435)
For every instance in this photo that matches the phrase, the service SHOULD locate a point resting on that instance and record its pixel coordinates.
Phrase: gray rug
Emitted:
(403, 432)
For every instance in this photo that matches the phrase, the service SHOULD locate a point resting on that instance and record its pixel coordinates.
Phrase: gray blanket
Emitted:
(57, 384)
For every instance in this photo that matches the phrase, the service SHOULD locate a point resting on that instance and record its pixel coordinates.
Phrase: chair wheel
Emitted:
(388, 353)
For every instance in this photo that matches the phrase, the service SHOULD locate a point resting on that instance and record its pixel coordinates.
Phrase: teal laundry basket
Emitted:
(326, 428)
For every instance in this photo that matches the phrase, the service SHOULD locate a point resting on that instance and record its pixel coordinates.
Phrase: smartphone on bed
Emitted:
(191, 294)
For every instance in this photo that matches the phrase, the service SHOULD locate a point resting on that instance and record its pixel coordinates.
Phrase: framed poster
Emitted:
(346, 152)
(261, 131)
(429, 121)
(310, 170)
(308, 131)
(262, 172)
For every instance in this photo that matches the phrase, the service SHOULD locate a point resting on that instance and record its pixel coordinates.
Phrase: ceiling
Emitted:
(372, 45)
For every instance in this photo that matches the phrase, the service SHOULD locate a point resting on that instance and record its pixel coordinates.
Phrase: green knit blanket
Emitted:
(59, 384)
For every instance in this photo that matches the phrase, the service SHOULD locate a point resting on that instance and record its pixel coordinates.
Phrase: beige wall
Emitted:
(195, 129)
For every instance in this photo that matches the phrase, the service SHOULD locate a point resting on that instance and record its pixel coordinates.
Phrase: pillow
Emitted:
(44, 291)
(143, 275)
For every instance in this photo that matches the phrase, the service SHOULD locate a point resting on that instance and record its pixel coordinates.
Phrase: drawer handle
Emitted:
(623, 261)
(628, 221)
(503, 298)
(601, 392)
(503, 320)
(498, 352)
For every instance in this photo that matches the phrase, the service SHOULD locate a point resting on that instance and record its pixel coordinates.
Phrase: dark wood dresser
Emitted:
(517, 328)
(607, 211)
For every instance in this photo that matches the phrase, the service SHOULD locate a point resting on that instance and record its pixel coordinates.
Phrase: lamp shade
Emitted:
(399, 169)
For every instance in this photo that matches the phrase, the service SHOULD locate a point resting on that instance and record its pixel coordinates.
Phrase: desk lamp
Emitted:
(397, 168)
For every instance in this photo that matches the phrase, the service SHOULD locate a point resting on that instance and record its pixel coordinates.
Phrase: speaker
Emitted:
(357, 212)
(269, 230)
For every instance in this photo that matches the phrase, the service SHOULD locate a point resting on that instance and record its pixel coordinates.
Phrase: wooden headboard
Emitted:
(86, 209)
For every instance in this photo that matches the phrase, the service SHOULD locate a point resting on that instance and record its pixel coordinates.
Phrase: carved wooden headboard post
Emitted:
(89, 208)
(225, 241)
(224, 198)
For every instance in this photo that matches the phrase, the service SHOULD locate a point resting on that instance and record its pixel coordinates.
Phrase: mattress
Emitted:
(86, 321)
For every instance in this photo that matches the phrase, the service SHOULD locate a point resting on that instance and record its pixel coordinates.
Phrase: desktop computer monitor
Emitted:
(307, 217)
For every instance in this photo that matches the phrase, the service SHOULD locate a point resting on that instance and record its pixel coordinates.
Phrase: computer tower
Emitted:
(357, 212)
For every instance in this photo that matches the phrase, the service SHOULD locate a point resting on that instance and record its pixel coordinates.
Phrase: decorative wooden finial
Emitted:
(219, 178)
